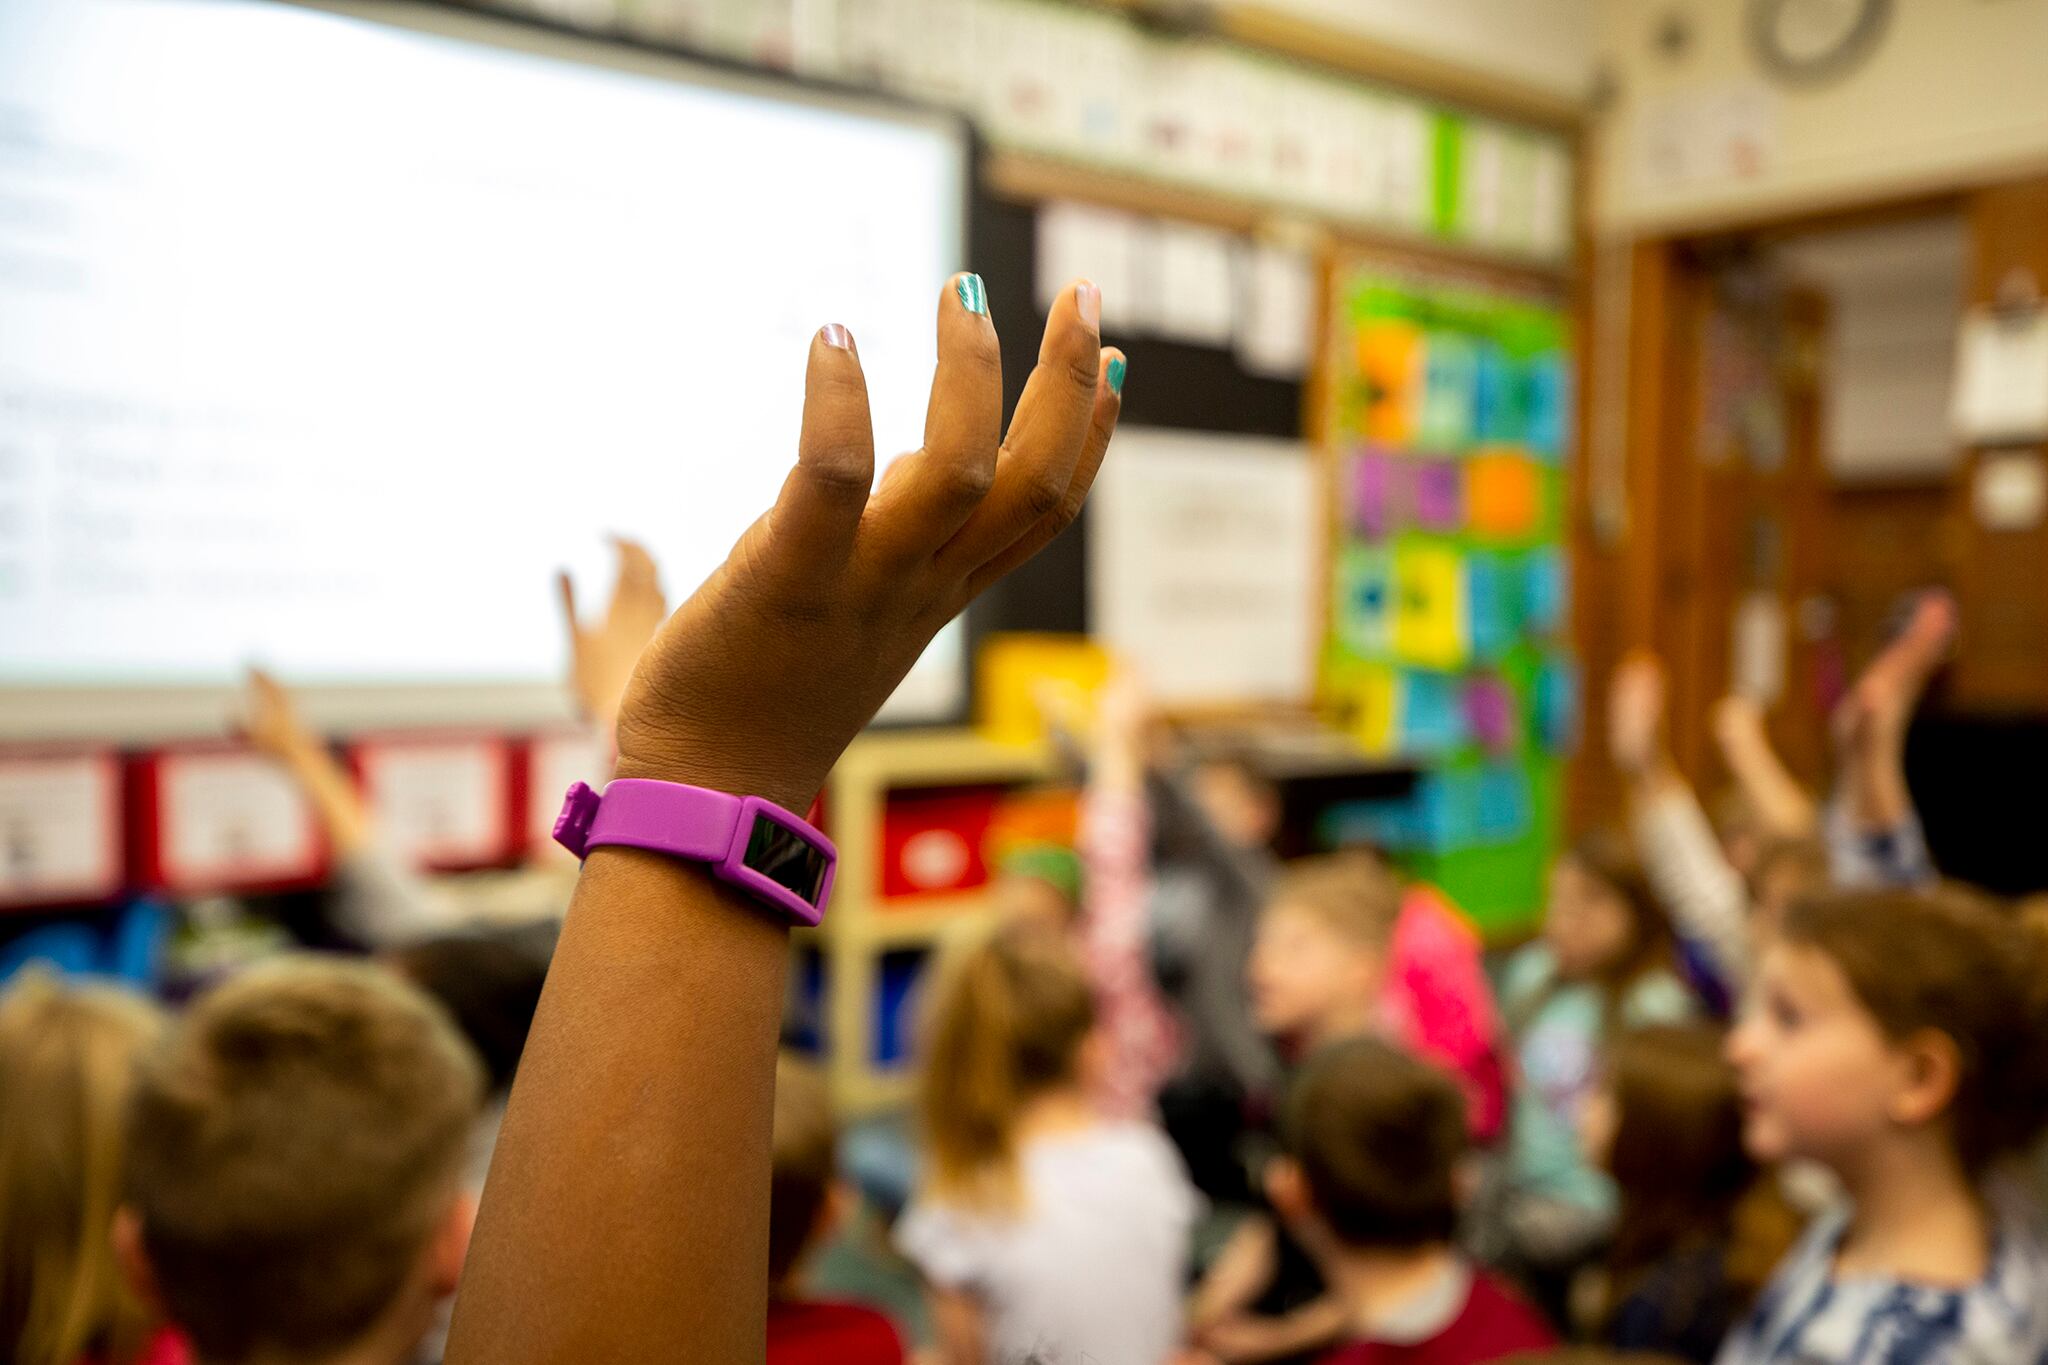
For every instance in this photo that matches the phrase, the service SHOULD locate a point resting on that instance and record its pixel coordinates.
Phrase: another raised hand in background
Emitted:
(1871, 722)
(378, 902)
(1686, 864)
(1773, 795)
(627, 1210)
(271, 722)
(602, 655)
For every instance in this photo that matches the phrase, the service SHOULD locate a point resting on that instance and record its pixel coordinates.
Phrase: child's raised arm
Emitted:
(1872, 830)
(626, 1216)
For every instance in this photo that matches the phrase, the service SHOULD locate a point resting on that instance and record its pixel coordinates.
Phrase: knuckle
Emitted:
(966, 481)
(1081, 368)
(1043, 493)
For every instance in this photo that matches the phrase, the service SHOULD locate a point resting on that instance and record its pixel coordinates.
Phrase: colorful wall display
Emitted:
(1447, 639)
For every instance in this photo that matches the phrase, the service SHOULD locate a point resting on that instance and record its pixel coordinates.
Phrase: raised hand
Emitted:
(627, 1211)
(758, 682)
(601, 656)
(270, 721)
(1635, 714)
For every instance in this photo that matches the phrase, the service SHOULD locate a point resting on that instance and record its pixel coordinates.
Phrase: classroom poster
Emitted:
(1448, 627)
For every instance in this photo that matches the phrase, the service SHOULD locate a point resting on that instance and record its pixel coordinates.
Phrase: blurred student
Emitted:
(1322, 972)
(295, 1166)
(805, 1206)
(1870, 831)
(1700, 1227)
(1374, 1142)
(1042, 1225)
(67, 1059)
(1603, 964)
(1900, 1039)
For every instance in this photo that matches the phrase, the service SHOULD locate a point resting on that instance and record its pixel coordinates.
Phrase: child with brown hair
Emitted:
(1374, 1139)
(295, 1166)
(1323, 972)
(1042, 1225)
(804, 1204)
(67, 1059)
(1700, 1226)
(1605, 962)
(1900, 1039)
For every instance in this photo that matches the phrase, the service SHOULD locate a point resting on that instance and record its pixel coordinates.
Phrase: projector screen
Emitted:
(326, 337)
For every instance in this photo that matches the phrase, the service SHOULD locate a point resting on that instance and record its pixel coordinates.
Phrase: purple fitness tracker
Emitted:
(754, 844)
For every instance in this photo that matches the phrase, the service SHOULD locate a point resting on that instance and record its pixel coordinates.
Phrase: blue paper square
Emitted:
(1503, 804)
(1432, 718)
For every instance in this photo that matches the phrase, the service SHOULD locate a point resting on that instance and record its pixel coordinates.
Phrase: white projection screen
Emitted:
(327, 334)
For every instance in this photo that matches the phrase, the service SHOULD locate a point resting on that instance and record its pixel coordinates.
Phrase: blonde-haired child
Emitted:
(1043, 1228)
(67, 1061)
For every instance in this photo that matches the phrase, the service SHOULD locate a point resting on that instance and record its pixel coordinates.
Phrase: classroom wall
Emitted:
(1894, 293)
(1951, 97)
(1543, 43)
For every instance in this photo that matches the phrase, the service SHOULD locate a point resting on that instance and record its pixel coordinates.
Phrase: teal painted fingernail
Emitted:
(973, 294)
(1116, 374)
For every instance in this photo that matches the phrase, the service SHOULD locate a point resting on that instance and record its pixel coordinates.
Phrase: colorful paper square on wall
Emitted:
(1490, 715)
(1493, 600)
(1367, 701)
(1436, 495)
(1390, 365)
(1545, 403)
(1430, 627)
(1432, 720)
(1450, 375)
(1369, 508)
(1496, 399)
(1365, 610)
(1543, 591)
(1503, 495)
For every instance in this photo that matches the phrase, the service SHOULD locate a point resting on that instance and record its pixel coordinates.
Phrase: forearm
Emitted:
(1772, 792)
(624, 1218)
(1241, 1271)
(1305, 1330)
(1873, 792)
(337, 804)
(1687, 868)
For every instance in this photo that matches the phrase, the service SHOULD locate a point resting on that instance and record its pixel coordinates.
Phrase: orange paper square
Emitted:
(1503, 495)
(1390, 364)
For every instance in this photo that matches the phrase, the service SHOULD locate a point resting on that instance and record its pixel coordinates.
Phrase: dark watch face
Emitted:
(784, 859)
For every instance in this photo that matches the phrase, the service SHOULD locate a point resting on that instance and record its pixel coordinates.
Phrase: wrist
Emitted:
(739, 769)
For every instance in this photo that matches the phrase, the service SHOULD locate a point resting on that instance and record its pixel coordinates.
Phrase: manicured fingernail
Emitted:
(1088, 298)
(835, 335)
(973, 294)
(1116, 374)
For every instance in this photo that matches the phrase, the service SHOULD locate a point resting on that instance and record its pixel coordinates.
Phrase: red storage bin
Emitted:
(933, 841)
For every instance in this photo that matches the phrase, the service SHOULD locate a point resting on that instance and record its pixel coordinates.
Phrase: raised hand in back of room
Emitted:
(602, 654)
(1635, 714)
(759, 680)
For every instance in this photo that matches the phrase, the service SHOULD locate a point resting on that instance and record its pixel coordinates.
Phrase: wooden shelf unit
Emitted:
(860, 925)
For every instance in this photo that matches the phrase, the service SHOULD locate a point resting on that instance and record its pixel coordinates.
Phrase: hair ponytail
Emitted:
(1004, 1024)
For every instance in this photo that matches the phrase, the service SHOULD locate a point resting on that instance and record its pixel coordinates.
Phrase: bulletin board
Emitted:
(1446, 644)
